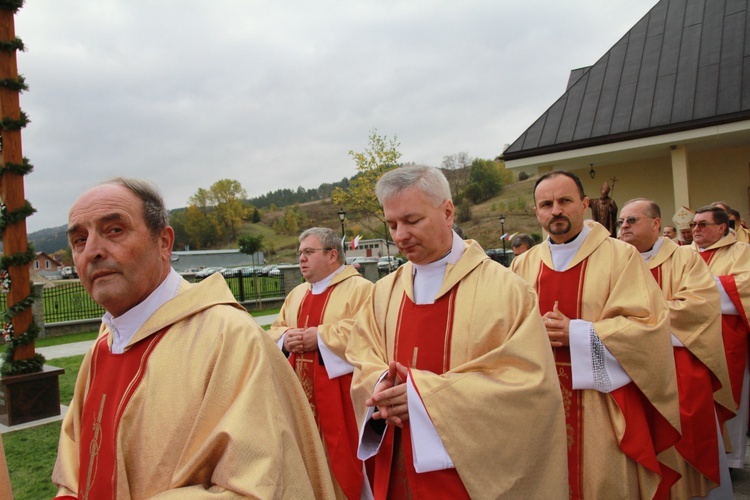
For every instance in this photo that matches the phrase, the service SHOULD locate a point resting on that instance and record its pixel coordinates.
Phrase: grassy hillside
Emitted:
(515, 202)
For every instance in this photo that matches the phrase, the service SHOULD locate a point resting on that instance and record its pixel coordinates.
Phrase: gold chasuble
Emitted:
(615, 440)
(333, 312)
(483, 370)
(200, 404)
(702, 377)
(729, 260)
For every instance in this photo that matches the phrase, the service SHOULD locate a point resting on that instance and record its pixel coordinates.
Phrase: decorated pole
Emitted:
(18, 325)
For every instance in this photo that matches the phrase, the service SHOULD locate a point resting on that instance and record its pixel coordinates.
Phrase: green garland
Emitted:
(8, 123)
(17, 84)
(12, 45)
(13, 5)
(17, 168)
(15, 216)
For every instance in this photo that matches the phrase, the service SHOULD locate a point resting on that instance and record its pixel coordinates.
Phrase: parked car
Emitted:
(496, 254)
(69, 272)
(208, 271)
(387, 264)
(357, 263)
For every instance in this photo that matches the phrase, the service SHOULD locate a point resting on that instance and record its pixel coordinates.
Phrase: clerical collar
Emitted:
(321, 286)
(428, 278)
(649, 254)
(124, 326)
(563, 253)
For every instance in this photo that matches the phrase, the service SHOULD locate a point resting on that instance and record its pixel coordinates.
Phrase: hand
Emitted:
(558, 327)
(309, 339)
(390, 396)
(293, 341)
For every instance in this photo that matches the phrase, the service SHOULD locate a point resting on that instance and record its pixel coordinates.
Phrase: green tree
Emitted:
(380, 156)
(485, 180)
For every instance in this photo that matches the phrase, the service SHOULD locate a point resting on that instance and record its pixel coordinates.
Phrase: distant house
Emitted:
(44, 262)
(666, 112)
(371, 248)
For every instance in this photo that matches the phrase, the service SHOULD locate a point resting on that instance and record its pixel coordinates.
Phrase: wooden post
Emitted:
(12, 188)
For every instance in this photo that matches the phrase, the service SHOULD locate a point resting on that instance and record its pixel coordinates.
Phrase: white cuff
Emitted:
(335, 366)
(280, 342)
(727, 306)
(676, 342)
(592, 365)
(427, 447)
(369, 440)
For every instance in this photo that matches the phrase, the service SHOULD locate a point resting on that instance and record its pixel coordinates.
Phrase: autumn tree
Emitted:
(227, 196)
(215, 213)
(380, 156)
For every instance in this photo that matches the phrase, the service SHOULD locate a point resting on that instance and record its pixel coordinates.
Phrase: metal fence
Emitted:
(246, 288)
(70, 302)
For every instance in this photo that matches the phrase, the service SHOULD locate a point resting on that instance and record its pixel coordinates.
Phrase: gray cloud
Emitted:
(275, 94)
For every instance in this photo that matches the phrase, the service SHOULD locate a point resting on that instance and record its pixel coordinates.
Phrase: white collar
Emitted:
(563, 253)
(649, 254)
(428, 278)
(124, 326)
(321, 286)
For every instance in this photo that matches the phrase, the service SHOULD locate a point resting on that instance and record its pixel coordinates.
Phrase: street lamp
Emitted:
(502, 231)
(342, 216)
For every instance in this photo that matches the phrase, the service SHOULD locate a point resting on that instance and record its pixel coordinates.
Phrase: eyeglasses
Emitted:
(309, 251)
(631, 220)
(701, 224)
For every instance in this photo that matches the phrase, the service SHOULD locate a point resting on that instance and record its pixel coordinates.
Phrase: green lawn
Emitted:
(31, 452)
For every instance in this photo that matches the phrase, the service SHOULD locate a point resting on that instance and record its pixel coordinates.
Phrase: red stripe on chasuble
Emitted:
(422, 341)
(113, 380)
(566, 289)
(695, 387)
(332, 396)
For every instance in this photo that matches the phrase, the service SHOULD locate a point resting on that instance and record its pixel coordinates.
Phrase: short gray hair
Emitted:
(155, 213)
(429, 180)
(328, 238)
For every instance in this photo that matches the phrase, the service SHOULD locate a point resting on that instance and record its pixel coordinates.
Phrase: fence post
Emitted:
(37, 308)
(291, 276)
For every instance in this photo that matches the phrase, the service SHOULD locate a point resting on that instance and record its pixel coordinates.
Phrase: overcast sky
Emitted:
(276, 93)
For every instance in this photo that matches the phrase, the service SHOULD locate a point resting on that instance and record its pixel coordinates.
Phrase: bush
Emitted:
(522, 176)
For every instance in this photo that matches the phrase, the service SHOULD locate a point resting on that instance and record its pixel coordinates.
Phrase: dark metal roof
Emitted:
(684, 65)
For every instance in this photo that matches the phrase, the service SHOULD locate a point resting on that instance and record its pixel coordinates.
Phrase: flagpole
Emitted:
(502, 230)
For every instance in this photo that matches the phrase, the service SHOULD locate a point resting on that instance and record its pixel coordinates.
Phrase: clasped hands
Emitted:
(300, 340)
(390, 396)
(558, 327)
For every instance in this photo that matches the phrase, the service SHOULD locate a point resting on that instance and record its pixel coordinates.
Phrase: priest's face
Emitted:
(120, 262)
(559, 207)
(637, 227)
(315, 261)
(705, 231)
(686, 235)
(420, 230)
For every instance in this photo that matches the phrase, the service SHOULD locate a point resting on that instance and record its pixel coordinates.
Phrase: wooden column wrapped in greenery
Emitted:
(18, 325)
